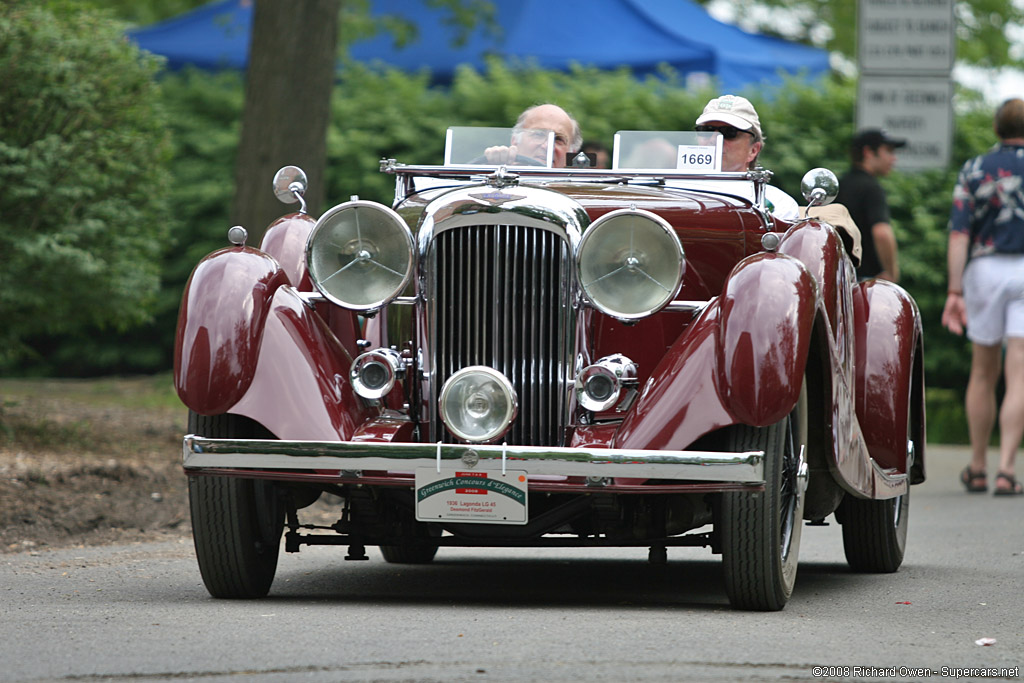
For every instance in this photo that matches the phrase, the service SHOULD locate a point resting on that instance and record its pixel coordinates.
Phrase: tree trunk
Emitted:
(291, 74)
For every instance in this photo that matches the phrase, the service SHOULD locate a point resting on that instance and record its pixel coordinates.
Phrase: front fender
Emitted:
(888, 337)
(768, 309)
(220, 327)
(740, 362)
(285, 240)
(300, 388)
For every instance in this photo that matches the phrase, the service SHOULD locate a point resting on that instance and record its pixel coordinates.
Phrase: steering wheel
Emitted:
(525, 161)
(520, 160)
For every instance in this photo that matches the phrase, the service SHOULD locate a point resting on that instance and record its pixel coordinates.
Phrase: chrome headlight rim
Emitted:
(507, 390)
(596, 228)
(326, 221)
(387, 360)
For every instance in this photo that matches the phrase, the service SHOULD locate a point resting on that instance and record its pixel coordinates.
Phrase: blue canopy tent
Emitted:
(638, 34)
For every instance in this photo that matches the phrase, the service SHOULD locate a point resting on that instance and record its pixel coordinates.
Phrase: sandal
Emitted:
(974, 482)
(1014, 488)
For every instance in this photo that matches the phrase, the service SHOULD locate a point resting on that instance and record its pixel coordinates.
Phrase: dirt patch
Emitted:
(90, 462)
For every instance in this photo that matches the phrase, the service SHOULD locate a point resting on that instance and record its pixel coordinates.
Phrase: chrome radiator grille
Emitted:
(500, 299)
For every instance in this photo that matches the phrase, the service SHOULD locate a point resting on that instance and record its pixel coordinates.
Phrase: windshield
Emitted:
(633, 150)
(474, 146)
(687, 151)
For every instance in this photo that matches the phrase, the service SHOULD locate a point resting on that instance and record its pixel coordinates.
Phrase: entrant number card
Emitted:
(700, 158)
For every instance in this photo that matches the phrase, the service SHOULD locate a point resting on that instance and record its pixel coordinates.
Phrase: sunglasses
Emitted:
(728, 132)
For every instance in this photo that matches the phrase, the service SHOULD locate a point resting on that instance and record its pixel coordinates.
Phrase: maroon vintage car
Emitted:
(518, 355)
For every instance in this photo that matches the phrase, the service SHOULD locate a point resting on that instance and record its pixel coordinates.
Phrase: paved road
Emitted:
(140, 612)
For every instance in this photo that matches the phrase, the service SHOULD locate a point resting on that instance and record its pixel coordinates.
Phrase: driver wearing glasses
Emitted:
(737, 120)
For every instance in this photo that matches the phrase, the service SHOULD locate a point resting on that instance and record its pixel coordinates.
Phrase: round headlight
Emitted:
(373, 373)
(630, 263)
(360, 255)
(478, 404)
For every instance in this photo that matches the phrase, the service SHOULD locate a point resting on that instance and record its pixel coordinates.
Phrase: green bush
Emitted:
(83, 153)
(945, 417)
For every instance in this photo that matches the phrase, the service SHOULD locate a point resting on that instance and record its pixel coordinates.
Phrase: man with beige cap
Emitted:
(737, 120)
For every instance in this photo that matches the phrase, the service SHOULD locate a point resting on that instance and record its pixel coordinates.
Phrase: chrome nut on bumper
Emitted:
(202, 453)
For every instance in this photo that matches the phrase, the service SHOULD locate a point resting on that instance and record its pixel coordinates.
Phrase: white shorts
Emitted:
(994, 296)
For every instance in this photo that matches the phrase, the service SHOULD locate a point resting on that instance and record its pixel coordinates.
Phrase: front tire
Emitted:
(236, 523)
(875, 533)
(760, 531)
(412, 553)
(419, 549)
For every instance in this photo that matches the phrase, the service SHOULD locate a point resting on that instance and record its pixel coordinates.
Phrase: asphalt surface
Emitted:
(140, 612)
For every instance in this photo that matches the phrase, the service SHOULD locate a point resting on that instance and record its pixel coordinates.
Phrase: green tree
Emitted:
(83, 152)
(289, 88)
(287, 104)
(981, 40)
(142, 12)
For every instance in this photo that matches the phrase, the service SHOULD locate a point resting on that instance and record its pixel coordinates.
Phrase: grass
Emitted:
(155, 391)
(113, 416)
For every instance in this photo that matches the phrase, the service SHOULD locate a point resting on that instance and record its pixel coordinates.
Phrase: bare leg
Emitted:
(1011, 414)
(981, 400)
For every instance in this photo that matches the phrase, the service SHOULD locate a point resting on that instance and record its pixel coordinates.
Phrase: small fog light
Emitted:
(374, 373)
(478, 404)
(599, 386)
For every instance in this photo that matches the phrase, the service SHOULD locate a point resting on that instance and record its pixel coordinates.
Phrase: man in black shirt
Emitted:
(872, 153)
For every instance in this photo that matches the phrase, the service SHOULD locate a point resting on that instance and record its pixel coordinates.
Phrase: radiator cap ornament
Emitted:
(496, 197)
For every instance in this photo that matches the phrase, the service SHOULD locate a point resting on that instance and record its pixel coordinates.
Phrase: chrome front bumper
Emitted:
(251, 454)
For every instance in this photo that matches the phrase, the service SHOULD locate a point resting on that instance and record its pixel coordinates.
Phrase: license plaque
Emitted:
(454, 495)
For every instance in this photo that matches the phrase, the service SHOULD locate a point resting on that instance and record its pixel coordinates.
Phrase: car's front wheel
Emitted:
(417, 548)
(236, 523)
(410, 553)
(875, 531)
(760, 531)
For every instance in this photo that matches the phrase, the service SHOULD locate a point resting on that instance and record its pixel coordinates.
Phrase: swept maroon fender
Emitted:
(768, 309)
(740, 362)
(888, 334)
(300, 386)
(220, 326)
(285, 240)
(681, 401)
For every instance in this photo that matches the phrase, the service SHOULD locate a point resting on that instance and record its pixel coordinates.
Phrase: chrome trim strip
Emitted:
(311, 298)
(679, 306)
(200, 453)
(888, 484)
(686, 306)
(391, 166)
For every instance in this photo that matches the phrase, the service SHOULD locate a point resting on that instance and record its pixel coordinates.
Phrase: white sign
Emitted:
(471, 496)
(700, 158)
(918, 110)
(906, 36)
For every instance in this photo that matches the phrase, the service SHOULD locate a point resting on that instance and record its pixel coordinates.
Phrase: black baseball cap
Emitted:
(875, 138)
